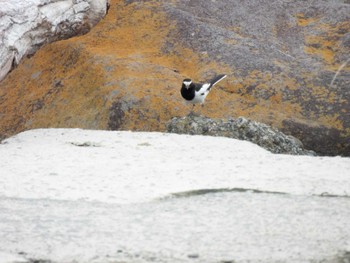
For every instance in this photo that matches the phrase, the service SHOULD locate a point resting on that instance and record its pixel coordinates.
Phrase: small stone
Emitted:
(193, 256)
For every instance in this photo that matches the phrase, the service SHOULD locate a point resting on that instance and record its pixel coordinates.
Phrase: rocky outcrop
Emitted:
(28, 24)
(241, 128)
(287, 64)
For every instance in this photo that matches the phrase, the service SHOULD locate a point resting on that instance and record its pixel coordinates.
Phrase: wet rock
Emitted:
(322, 139)
(241, 128)
(27, 24)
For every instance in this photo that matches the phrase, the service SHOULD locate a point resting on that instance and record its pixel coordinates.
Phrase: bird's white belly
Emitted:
(201, 94)
(199, 98)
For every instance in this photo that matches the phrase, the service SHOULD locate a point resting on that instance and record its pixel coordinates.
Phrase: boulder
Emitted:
(241, 128)
(287, 64)
(28, 24)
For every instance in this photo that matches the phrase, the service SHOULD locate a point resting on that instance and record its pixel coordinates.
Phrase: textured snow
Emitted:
(71, 195)
(9, 258)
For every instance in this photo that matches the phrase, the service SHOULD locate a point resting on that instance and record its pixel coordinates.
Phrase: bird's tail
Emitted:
(217, 79)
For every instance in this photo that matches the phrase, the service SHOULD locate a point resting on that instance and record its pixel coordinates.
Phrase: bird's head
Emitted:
(187, 83)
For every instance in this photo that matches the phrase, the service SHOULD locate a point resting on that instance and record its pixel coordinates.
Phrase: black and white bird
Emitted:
(196, 93)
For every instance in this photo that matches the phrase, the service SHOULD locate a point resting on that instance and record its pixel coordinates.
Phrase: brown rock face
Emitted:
(288, 66)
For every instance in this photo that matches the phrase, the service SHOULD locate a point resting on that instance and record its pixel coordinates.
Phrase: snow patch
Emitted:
(71, 195)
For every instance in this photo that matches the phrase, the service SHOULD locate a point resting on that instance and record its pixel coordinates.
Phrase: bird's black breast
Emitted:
(188, 94)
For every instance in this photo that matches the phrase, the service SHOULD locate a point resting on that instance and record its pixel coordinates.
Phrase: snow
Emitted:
(71, 195)
(8, 258)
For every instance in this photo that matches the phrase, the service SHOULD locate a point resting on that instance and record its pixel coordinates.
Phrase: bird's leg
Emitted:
(192, 110)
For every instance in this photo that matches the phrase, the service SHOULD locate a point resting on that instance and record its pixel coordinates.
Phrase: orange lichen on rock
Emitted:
(303, 21)
(326, 43)
(126, 73)
(318, 45)
(77, 80)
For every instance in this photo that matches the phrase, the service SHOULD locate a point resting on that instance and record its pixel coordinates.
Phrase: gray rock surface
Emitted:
(294, 51)
(241, 128)
(28, 24)
(287, 63)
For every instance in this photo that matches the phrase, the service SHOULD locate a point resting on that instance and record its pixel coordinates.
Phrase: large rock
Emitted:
(28, 24)
(288, 66)
(241, 128)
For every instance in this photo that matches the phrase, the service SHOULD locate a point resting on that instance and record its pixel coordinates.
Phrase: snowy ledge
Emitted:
(97, 196)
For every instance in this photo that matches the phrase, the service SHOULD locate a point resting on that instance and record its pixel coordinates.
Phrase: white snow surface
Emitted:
(71, 195)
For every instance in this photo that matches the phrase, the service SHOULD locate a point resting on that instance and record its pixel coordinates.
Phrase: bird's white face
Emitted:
(187, 82)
